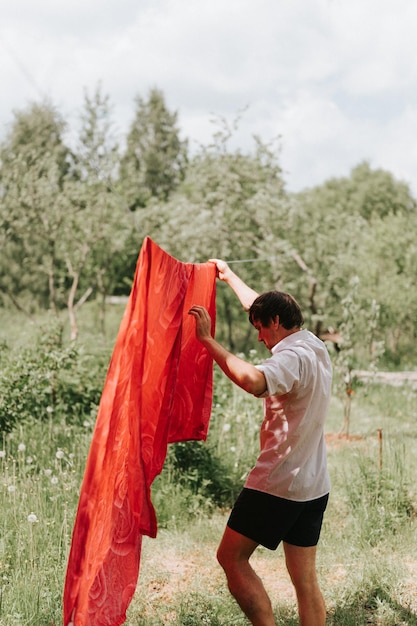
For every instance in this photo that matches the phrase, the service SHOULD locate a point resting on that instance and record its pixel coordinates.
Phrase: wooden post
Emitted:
(379, 431)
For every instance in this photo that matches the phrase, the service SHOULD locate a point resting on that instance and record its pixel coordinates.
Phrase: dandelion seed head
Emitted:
(21, 447)
(2, 454)
(54, 480)
(11, 488)
(48, 472)
(226, 428)
(49, 409)
(59, 454)
(29, 460)
(32, 519)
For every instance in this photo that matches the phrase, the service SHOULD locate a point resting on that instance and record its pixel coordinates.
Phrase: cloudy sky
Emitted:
(335, 79)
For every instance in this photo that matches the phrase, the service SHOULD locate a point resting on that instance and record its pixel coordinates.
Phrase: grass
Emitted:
(366, 560)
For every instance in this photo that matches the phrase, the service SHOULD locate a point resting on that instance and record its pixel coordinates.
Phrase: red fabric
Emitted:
(158, 390)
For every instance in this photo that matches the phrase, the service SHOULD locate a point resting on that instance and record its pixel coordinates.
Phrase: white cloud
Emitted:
(336, 79)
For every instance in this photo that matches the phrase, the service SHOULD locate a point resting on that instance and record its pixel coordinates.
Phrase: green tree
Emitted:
(99, 221)
(35, 163)
(362, 226)
(225, 208)
(377, 194)
(62, 222)
(155, 159)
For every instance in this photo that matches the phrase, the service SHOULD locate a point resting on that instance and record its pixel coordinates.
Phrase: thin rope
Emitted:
(258, 260)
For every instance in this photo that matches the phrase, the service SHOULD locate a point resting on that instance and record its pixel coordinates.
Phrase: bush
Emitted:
(198, 467)
(48, 378)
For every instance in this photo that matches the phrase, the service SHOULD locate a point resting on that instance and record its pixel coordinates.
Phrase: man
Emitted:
(286, 493)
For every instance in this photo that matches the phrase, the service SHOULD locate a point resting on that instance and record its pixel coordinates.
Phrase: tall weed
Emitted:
(379, 498)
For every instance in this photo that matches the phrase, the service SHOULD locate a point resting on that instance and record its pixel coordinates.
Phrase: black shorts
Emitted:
(268, 520)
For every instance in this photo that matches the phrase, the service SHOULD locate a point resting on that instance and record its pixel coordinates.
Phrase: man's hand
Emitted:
(203, 322)
(243, 374)
(223, 270)
(245, 293)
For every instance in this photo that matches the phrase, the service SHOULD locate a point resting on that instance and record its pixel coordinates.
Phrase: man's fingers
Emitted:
(198, 311)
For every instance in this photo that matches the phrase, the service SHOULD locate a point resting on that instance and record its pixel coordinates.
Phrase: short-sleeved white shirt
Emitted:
(292, 463)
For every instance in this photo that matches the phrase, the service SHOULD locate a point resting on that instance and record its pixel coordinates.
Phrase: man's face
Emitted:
(267, 334)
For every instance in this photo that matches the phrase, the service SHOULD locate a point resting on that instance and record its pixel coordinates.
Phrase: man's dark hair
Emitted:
(272, 303)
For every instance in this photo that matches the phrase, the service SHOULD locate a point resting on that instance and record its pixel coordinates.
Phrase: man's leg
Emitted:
(244, 584)
(301, 565)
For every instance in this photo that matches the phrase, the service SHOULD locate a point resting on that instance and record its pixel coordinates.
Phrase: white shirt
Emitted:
(292, 463)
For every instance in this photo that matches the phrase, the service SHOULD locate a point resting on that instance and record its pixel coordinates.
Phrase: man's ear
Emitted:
(275, 321)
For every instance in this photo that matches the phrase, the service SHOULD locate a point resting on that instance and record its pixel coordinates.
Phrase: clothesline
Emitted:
(257, 260)
(268, 258)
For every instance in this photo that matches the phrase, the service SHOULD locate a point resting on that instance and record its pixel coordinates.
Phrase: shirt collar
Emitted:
(287, 341)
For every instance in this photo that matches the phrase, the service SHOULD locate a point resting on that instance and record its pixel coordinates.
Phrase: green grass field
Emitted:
(367, 563)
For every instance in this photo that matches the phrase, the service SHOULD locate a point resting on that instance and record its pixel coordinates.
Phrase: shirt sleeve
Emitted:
(282, 373)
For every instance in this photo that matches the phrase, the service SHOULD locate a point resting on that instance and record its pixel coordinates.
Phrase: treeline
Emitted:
(73, 216)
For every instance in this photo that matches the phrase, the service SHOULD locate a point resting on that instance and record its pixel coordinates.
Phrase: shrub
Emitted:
(197, 466)
(48, 378)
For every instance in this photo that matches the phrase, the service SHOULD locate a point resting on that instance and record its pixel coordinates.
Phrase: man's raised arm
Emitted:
(245, 294)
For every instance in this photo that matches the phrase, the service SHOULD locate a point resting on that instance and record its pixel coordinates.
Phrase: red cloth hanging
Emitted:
(158, 390)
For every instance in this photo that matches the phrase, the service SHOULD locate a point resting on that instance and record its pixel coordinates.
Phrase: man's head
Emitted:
(271, 304)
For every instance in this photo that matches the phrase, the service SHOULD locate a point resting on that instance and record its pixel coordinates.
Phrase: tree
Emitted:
(362, 226)
(224, 208)
(155, 159)
(35, 163)
(98, 220)
(376, 193)
(61, 219)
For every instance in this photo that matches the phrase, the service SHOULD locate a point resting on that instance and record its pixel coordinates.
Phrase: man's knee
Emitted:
(301, 566)
(221, 557)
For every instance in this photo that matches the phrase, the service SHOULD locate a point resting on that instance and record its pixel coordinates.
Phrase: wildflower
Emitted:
(232, 448)
(2, 454)
(11, 488)
(48, 472)
(226, 428)
(49, 409)
(32, 519)
(21, 447)
(29, 460)
(54, 480)
(86, 424)
(59, 454)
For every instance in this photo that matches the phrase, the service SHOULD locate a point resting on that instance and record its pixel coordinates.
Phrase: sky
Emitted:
(334, 80)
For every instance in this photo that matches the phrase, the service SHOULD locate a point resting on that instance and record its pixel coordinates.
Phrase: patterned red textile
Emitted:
(158, 390)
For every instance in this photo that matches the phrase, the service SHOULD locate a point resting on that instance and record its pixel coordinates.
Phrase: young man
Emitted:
(286, 493)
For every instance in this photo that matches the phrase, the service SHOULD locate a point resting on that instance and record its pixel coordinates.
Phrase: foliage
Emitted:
(197, 467)
(34, 166)
(67, 233)
(379, 498)
(40, 472)
(221, 210)
(155, 158)
(361, 228)
(97, 219)
(42, 460)
(60, 219)
(47, 379)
